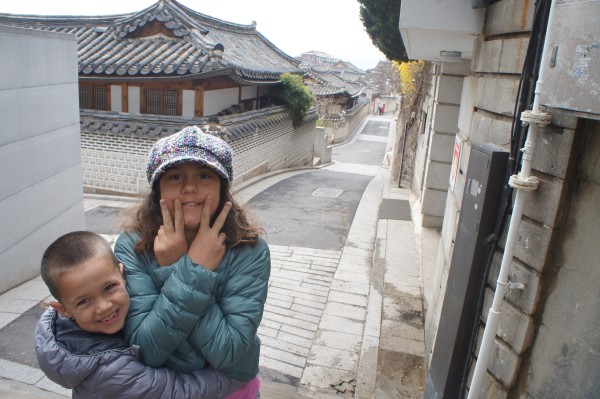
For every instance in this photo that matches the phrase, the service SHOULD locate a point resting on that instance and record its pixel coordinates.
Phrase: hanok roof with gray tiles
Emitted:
(328, 84)
(177, 41)
(234, 126)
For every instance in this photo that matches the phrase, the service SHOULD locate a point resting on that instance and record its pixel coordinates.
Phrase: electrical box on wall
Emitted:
(572, 58)
(467, 272)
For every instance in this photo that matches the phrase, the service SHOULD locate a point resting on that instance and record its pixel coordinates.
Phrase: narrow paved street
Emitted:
(335, 321)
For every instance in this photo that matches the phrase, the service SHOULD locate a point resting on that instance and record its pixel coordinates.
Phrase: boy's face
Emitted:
(94, 295)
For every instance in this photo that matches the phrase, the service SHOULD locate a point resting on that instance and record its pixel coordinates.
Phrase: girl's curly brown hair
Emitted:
(146, 218)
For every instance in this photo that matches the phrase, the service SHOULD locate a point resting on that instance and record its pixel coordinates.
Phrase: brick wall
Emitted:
(117, 163)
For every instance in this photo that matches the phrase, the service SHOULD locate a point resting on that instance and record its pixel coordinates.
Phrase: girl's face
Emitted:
(191, 183)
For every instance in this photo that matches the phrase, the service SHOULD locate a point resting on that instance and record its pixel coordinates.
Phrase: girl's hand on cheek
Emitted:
(208, 247)
(170, 243)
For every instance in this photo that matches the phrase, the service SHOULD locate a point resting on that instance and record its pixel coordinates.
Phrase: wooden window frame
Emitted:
(161, 89)
(93, 87)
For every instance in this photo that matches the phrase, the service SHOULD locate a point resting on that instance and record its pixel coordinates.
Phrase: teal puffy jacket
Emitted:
(186, 317)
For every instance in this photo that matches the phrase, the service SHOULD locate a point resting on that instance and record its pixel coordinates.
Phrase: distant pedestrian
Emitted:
(379, 110)
(189, 242)
(383, 109)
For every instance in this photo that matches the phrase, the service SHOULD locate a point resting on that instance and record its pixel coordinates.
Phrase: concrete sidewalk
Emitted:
(337, 323)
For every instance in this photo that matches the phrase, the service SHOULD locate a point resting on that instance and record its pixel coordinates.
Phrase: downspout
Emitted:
(523, 182)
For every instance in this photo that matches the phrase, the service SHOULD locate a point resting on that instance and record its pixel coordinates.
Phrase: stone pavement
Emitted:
(345, 323)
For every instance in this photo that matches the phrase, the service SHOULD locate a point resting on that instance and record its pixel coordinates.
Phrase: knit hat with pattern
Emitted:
(189, 145)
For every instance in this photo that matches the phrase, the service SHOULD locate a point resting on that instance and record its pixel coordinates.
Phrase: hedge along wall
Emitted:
(261, 142)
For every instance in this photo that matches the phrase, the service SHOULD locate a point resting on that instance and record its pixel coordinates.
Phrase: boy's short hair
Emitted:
(69, 252)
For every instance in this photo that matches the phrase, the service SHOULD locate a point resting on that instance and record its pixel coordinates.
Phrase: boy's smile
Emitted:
(94, 295)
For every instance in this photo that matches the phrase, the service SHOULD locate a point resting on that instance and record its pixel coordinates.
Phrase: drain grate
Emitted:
(327, 192)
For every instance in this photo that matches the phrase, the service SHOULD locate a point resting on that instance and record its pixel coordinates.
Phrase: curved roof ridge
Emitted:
(235, 27)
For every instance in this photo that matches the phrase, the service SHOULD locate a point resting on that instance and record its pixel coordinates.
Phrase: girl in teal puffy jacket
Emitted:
(197, 271)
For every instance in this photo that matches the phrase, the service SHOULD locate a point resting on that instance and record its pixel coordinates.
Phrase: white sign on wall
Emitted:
(455, 161)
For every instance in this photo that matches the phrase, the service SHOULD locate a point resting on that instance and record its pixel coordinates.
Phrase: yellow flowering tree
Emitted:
(409, 74)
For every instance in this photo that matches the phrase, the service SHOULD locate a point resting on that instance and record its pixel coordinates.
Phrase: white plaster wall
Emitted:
(217, 100)
(248, 92)
(188, 103)
(41, 194)
(116, 98)
(133, 99)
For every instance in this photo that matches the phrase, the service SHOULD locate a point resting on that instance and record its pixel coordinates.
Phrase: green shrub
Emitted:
(296, 96)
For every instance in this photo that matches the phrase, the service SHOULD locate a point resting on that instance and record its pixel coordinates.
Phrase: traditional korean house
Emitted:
(146, 74)
(341, 104)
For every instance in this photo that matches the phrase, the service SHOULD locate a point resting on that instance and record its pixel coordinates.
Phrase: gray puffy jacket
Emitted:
(97, 365)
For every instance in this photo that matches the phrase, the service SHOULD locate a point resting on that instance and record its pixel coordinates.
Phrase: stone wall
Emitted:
(438, 126)
(41, 195)
(352, 121)
(117, 163)
(546, 324)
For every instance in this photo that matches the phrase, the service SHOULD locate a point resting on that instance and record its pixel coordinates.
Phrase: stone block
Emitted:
(553, 149)
(500, 133)
(437, 175)
(342, 324)
(532, 245)
(350, 311)
(445, 119)
(467, 105)
(497, 94)
(449, 89)
(524, 299)
(433, 202)
(515, 327)
(30, 162)
(488, 56)
(441, 147)
(490, 388)
(57, 106)
(504, 363)
(513, 55)
(334, 358)
(509, 16)
(431, 222)
(450, 225)
(461, 177)
(481, 128)
(26, 48)
(323, 377)
(543, 204)
(461, 68)
(562, 119)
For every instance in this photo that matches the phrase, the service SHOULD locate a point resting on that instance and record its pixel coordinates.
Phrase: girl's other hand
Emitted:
(208, 247)
(170, 243)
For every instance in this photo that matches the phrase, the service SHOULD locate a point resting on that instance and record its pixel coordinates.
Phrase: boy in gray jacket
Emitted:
(79, 343)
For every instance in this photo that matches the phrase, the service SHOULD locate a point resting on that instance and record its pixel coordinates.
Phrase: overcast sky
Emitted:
(331, 26)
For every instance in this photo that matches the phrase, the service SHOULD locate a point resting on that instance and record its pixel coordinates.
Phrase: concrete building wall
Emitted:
(40, 195)
(547, 327)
